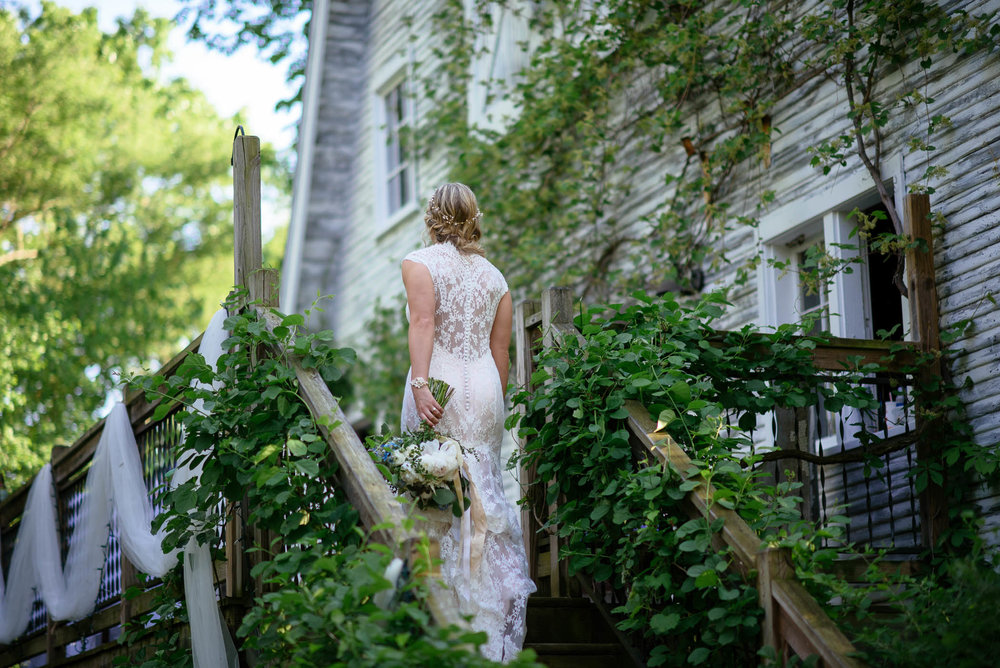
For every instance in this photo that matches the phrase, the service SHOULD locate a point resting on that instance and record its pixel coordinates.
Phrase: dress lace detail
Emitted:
(467, 291)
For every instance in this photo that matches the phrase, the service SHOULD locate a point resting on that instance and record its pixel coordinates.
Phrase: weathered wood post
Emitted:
(792, 434)
(247, 254)
(923, 302)
(557, 309)
(772, 564)
(247, 263)
(527, 316)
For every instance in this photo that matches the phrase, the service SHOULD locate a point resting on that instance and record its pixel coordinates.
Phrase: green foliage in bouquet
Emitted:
(423, 463)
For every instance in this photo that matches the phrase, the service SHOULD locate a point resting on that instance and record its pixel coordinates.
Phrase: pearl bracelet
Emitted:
(418, 382)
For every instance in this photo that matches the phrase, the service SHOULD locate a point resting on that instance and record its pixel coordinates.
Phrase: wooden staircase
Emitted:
(571, 633)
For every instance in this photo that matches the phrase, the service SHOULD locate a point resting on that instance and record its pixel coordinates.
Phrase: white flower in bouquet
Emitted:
(409, 474)
(441, 459)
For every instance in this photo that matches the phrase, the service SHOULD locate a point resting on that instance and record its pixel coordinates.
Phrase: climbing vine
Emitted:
(326, 598)
(641, 131)
(622, 517)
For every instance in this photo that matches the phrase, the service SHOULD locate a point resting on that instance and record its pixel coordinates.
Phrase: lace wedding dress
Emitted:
(467, 290)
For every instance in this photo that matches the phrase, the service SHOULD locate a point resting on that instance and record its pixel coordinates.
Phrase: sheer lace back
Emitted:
(467, 290)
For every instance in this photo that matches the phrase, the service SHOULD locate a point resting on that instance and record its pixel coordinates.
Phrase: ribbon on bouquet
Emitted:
(473, 528)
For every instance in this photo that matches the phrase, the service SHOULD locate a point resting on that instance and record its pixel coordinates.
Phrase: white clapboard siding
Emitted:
(347, 254)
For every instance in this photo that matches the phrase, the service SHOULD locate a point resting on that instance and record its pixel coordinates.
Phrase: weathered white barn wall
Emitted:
(347, 254)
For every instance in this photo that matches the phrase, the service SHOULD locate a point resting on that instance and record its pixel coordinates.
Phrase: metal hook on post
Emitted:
(239, 131)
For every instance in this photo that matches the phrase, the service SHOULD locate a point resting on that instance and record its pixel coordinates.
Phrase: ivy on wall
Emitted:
(677, 97)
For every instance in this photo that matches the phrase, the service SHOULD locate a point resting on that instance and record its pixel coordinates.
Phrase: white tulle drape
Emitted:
(114, 481)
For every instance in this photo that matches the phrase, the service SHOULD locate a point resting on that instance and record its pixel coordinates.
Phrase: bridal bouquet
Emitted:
(423, 463)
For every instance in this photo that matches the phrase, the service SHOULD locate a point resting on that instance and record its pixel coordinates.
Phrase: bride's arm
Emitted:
(420, 297)
(500, 338)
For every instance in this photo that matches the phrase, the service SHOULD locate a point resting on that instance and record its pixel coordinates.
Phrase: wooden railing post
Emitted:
(247, 265)
(772, 564)
(526, 330)
(792, 434)
(127, 579)
(264, 540)
(924, 322)
(920, 275)
(557, 309)
(247, 253)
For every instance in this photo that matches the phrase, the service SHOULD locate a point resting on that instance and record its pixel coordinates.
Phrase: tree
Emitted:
(268, 25)
(113, 204)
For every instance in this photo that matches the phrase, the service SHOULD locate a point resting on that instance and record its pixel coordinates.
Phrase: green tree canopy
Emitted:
(271, 26)
(114, 206)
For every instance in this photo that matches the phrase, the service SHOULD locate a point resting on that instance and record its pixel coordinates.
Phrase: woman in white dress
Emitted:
(460, 313)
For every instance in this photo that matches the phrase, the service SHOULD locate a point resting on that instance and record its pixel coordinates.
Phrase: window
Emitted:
(813, 295)
(803, 237)
(500, 52)
(397, 163)
(886, 306)
(395, 167)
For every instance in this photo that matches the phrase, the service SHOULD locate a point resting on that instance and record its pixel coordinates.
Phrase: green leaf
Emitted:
(698, 656)
(296, 447)
(307, 467)
(706, 579)
(162, 410)
(600, 511)
(717, 613)
(443, 496)
(681, 393)
(663, 623)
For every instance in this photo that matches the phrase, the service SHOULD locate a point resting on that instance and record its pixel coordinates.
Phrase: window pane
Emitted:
(391, 109)
(400, 102)
(397, 168)
(887, 307)
(404, 184)
(812, 288)
(393, 154)
(395, 186)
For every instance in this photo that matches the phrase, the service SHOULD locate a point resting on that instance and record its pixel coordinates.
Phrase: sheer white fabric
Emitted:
(467, 291)
(113, 481)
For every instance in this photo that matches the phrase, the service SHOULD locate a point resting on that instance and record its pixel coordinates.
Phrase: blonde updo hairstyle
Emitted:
(453, 216)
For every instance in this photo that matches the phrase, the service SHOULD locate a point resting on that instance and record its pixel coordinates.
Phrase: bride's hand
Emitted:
(428, 409)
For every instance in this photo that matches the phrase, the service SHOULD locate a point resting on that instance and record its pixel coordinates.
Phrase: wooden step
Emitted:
(578, 655)
(565, 620)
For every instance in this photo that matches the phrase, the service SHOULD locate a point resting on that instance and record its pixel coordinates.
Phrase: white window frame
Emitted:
(496, 50)
(394, 75)
(826, 214)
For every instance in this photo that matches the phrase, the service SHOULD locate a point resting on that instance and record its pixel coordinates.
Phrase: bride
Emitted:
(460, 313)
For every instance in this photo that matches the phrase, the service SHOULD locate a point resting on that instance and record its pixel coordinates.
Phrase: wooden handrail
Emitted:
(744, 542)
(837, 354)
(793, 618)
(365, 488)
(792, 615)
(358, 476)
